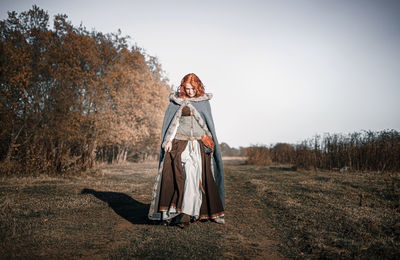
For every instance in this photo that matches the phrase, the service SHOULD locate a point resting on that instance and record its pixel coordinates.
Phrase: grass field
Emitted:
(271, 212)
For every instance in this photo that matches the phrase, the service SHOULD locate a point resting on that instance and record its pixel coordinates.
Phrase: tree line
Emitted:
(71, 97)
(358, 151)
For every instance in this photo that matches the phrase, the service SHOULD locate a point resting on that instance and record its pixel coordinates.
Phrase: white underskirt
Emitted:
(191, 163)
(192, 194)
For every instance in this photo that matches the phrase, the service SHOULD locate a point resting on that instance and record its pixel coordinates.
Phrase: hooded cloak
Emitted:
(201, 109)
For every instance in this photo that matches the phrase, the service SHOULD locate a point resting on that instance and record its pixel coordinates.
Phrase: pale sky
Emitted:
(280, 71)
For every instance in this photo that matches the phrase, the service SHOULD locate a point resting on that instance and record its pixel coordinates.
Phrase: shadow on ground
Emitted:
(124, 205)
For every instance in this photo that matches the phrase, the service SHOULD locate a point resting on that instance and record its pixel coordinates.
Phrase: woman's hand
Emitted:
(168, 146)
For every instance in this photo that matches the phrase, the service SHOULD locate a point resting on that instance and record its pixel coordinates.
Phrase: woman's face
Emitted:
(190, 91)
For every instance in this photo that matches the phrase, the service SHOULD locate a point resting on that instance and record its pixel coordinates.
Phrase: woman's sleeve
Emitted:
(174, 132)
(170, 126)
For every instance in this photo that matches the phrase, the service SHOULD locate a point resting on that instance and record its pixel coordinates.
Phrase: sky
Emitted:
(279, 71)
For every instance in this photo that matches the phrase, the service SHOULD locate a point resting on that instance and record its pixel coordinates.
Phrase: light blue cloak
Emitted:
(202, 105)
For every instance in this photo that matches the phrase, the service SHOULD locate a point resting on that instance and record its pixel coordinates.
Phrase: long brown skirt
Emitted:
(173, 182)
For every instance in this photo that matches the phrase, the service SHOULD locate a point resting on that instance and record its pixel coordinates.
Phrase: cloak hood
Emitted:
(174, 96)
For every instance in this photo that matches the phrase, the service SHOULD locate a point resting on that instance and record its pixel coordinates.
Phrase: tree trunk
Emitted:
(125, 154)
(13, 141)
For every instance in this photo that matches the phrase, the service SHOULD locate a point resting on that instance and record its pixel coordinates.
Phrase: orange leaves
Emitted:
(76, 88)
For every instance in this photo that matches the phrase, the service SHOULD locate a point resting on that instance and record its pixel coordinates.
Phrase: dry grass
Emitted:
(104, 215)
(271, 212)
(325, 214)
(358, 151)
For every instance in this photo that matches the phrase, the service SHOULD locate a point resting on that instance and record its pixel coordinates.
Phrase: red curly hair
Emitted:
(195, 82)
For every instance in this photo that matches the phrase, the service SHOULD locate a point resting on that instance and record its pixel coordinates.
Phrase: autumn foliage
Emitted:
(71, 97)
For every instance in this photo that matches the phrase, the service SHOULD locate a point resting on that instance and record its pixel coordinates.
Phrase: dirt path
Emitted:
(247, 228)
(104, 215)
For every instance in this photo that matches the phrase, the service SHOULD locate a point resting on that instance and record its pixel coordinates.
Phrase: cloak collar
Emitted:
(175, 98)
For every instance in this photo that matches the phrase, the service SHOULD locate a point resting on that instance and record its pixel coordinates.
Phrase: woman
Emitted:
(189, 185)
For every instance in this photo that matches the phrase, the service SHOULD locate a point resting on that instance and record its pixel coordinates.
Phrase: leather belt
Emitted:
(191, 138)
